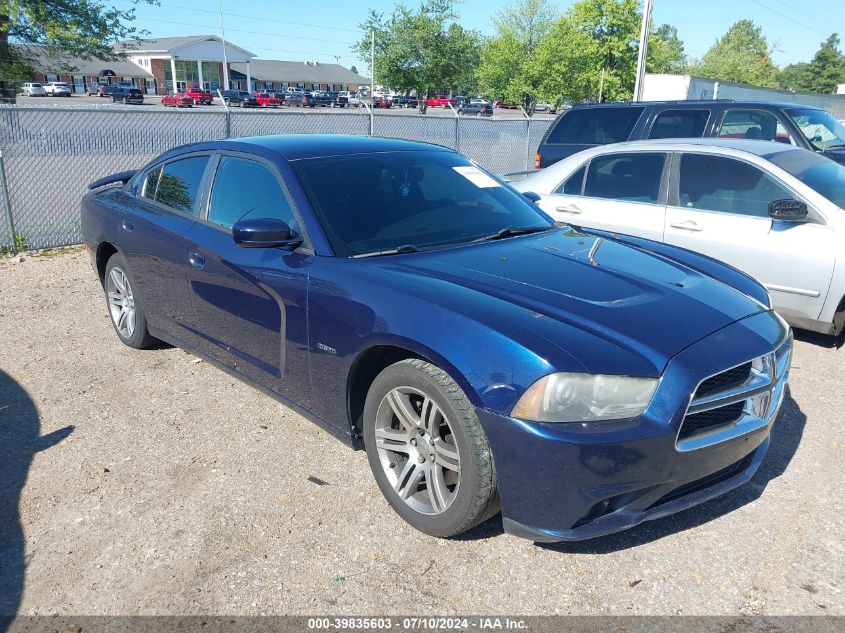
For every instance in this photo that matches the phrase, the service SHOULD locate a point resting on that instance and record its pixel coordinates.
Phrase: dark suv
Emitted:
(590, 125)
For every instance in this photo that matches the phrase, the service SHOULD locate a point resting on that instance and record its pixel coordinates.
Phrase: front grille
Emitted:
(698, 423)
(724, 381)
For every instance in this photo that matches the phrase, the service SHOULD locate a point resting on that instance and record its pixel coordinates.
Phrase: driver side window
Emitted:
(245, 188)
(716, 183)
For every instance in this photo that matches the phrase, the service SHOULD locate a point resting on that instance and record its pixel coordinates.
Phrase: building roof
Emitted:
(167, 44)
(304, 72)
(44, 63)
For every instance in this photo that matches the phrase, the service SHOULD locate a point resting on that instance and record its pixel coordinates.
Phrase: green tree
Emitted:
(741, 55)
(354, 70)
(504, 71)
(423, 50)
(79, 28)
(665, 51)
(822, 74)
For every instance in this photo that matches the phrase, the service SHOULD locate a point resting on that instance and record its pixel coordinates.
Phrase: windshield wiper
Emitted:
(509, 231)
(834, 146)
(406, 248)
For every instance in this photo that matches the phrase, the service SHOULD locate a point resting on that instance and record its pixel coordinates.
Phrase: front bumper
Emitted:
(563, 482)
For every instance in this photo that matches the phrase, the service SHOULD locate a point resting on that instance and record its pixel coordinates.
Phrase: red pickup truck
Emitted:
(267, 100)
(198, 95)
(440, 101)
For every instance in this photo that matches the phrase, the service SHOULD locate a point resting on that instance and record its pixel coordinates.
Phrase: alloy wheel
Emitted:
(417, 451)
(121, 302)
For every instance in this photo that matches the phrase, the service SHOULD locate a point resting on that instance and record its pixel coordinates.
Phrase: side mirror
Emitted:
(788, 210)
(533, 197)
(264, 233)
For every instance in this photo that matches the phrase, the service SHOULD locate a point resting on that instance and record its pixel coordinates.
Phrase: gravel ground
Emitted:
(151, 483)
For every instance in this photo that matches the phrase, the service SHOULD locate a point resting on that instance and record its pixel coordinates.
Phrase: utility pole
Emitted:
(225, 61)
(643, 54)
(601, 85)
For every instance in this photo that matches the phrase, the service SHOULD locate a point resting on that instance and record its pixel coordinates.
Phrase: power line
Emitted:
(214, 28)
(259, 18)
(786, 17)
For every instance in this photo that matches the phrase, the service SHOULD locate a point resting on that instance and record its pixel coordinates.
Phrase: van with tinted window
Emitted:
(590, 125)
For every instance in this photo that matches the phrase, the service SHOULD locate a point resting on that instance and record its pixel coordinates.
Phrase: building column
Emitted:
(248, 79)
(172, 73)
(199, 72)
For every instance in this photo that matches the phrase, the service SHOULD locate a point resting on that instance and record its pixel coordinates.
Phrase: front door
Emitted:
(250, 305)
(722, 210)
(618, 192)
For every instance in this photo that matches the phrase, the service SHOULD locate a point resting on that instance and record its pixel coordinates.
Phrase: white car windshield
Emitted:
(821, 174)
(821, 129)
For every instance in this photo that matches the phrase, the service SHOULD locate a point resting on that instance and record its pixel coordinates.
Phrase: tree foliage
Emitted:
(423, 50)
(741, 55)
(822, 74)
(79, 28)
(594, 37)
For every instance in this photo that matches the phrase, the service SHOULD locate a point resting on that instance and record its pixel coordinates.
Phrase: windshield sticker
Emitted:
(476, 176)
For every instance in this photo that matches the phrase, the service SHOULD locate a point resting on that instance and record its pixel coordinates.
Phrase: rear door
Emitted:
(619, 192)
(719, 207)
(152, 237)
(250, 304)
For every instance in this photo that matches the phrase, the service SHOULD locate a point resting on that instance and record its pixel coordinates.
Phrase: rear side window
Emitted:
(180, 182)
(595, 126)
(247, 189)
(754, 125)
(716, 183)
(630, 177)
(574, 184)
(680, 124)
(148, 189)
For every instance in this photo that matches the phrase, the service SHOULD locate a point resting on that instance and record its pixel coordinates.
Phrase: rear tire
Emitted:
(433, 464)
(126, 310)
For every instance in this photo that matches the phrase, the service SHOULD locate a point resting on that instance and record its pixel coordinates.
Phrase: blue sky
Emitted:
(323, 30)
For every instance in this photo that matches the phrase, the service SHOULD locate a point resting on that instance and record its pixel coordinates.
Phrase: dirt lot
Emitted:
(150, 483)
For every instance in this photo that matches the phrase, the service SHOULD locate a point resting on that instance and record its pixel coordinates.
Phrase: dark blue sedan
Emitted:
(417, 307)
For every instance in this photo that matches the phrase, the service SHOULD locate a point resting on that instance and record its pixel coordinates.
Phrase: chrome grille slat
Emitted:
(735, 401)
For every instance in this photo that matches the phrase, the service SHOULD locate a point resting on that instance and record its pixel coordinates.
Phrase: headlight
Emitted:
(565, 397)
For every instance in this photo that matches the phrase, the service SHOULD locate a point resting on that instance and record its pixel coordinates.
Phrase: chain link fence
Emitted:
(48, 155)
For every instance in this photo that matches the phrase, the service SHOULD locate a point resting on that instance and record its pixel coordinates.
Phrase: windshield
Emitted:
(409, 200)
(823, 175)
(821, 129)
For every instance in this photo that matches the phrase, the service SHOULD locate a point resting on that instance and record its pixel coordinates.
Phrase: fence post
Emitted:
(228, 114)
(7, 205)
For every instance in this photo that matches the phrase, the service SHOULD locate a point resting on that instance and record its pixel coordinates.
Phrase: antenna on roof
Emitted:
(225, 61)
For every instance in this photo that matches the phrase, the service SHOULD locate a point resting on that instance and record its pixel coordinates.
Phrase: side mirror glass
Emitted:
(264, 233)
(788, 210)
(533, 197)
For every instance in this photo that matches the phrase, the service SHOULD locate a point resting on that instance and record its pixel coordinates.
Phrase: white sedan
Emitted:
(770, 209)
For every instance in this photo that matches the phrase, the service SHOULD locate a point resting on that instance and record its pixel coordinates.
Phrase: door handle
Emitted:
(568, 208)
(687, 225)
(127, 226)
(197, 260)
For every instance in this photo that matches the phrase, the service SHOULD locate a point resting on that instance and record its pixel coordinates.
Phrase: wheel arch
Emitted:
(105, 250)
(373, 359)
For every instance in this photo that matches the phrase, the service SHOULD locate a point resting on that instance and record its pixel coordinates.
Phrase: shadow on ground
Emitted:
(786, 436)
(822, 340)
(20, 439)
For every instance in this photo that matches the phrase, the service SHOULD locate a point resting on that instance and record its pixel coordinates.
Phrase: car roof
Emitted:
(758, 147)
(300, 146)
(693, 103)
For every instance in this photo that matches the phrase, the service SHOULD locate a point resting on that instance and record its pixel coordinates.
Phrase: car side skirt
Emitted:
(339, 433)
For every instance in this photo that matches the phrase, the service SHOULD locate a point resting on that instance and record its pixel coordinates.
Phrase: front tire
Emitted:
(427, 450)
(125, 307)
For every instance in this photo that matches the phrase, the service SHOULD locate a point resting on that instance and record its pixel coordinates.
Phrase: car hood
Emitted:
(583, 292)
